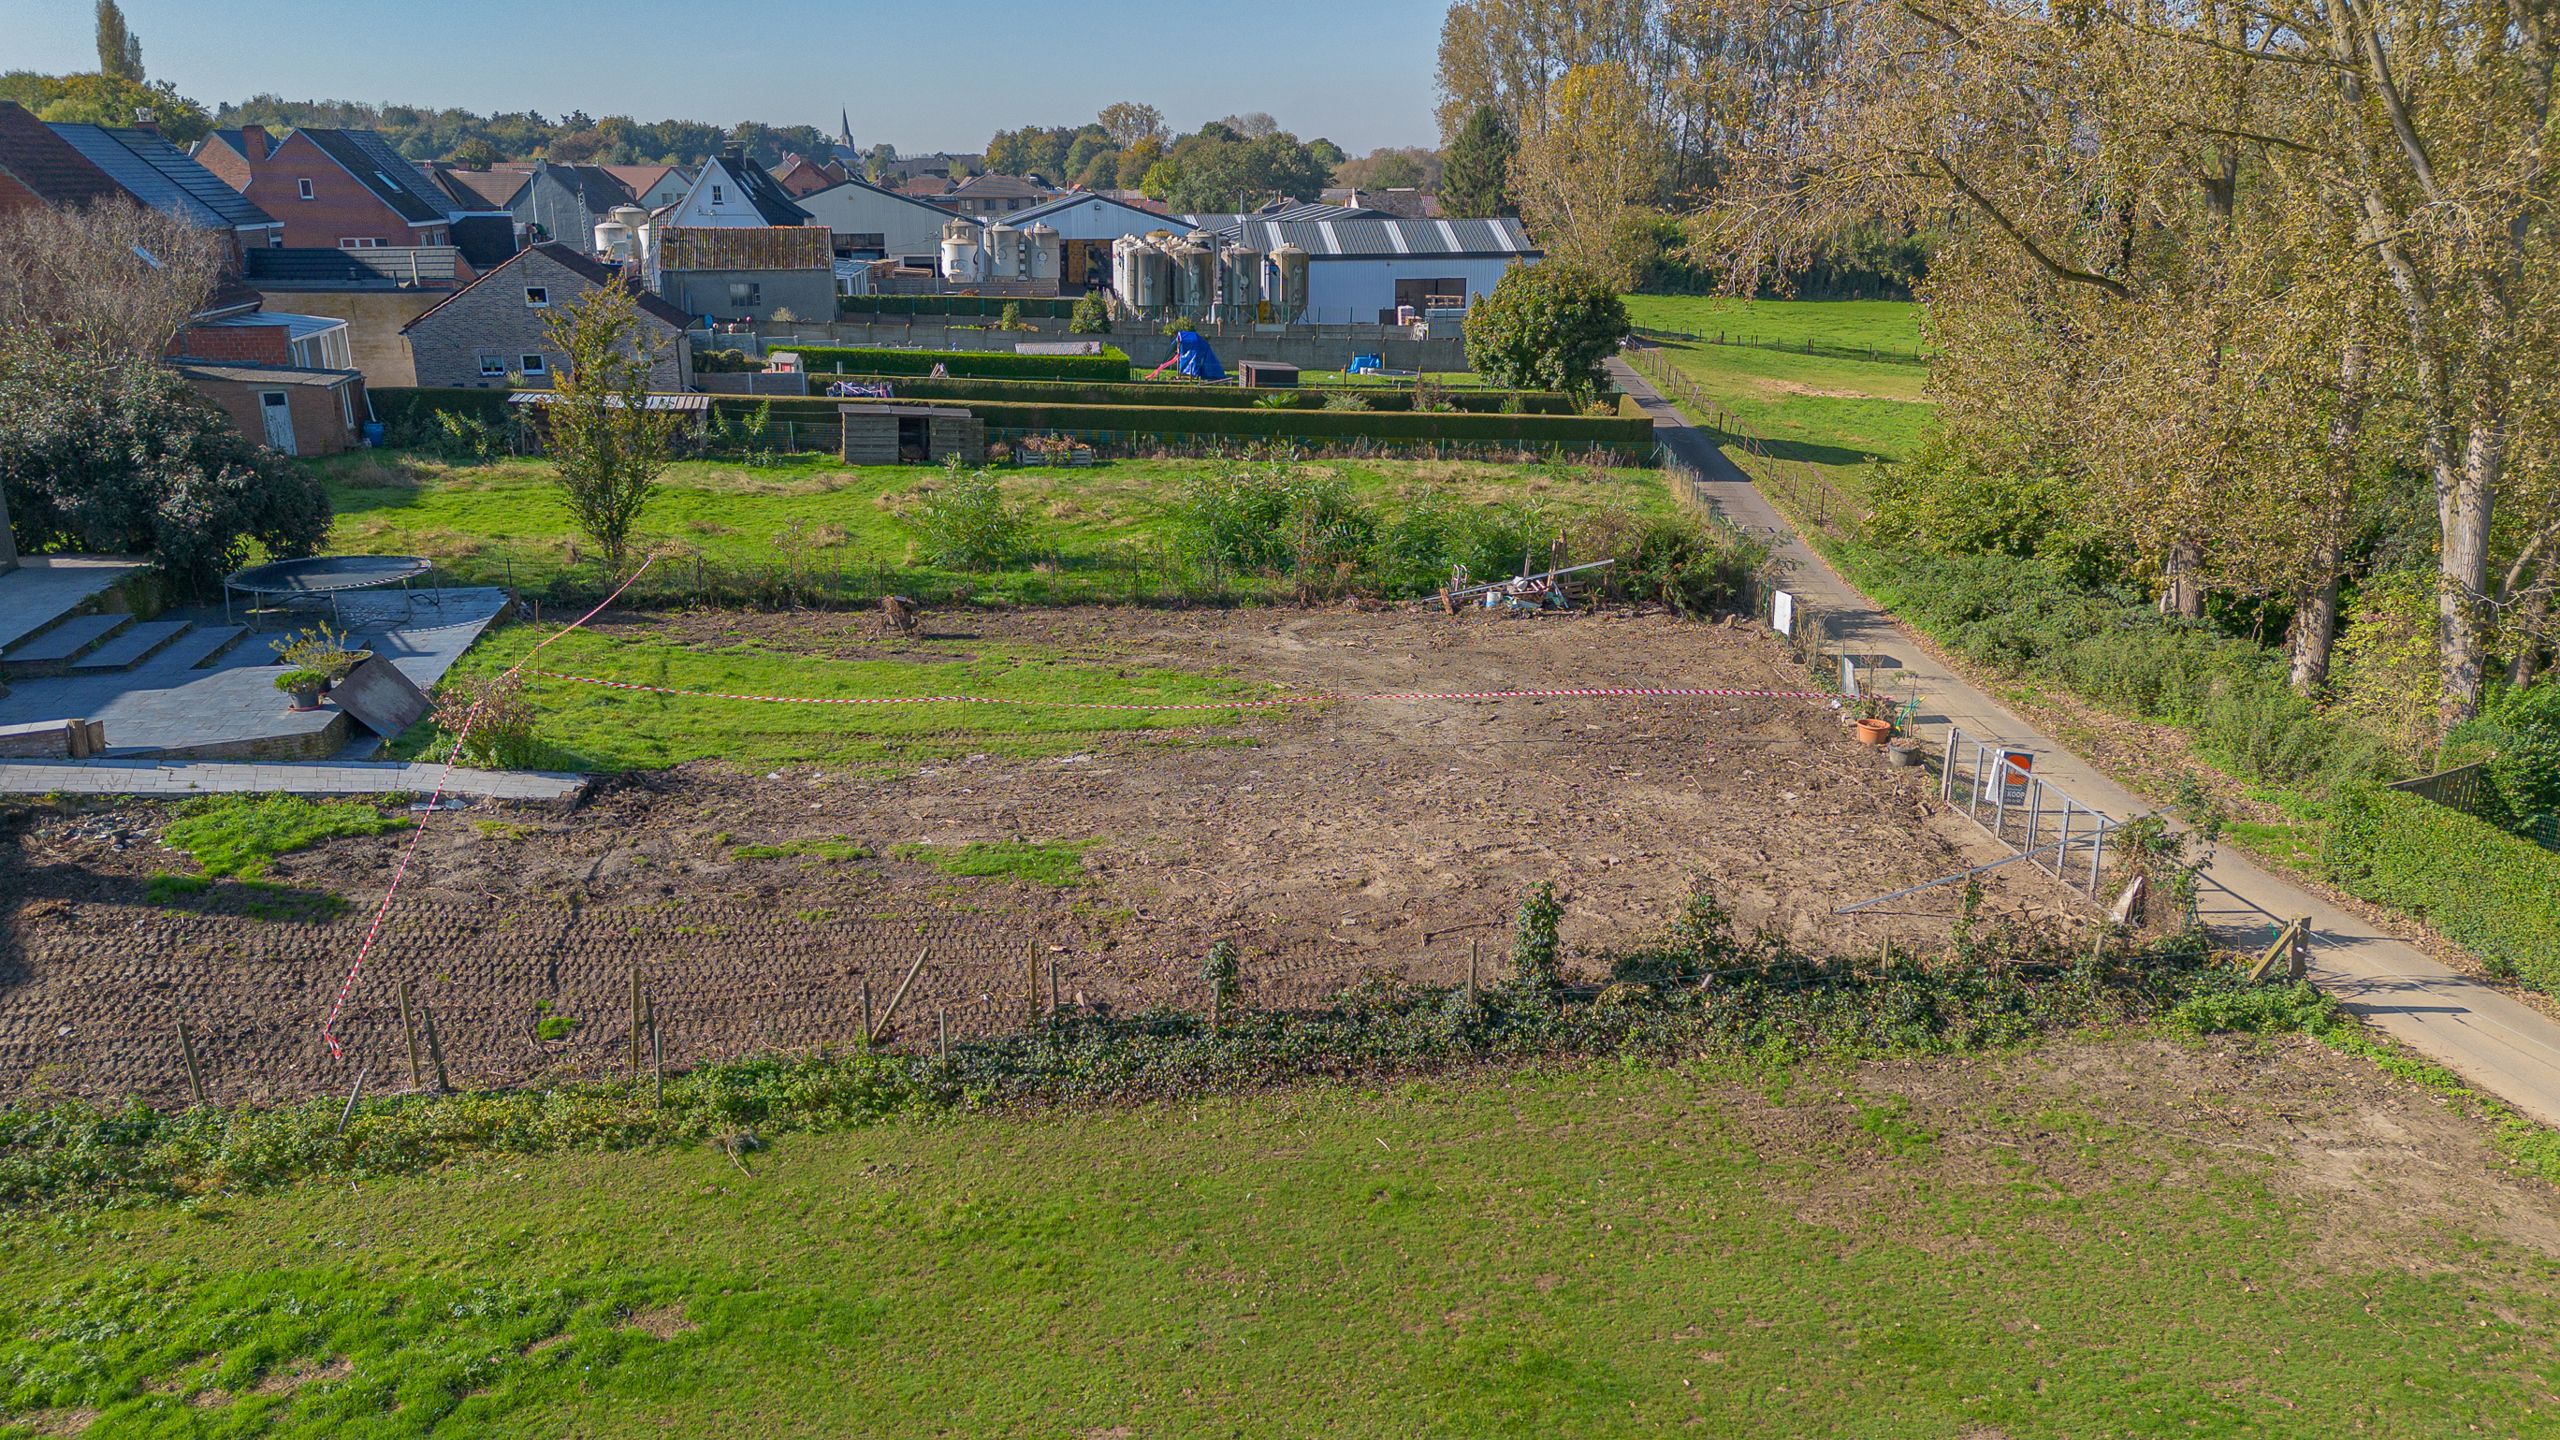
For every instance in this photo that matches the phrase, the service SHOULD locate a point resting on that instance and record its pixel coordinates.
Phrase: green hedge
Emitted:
(402, 410)
(988, 306)
(1380, 399)
(1308, 424)
(1112, 364)
(2477, 885)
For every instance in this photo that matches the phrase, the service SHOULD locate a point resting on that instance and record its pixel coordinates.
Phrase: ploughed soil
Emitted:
(1329, 842)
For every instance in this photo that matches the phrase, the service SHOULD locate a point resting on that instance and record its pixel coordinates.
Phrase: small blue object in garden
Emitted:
(1193, 357)
(1366, 365)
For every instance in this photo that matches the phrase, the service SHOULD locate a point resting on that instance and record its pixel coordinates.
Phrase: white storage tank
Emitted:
(1141, 272)
(959, 250)
(1004, 251)
(1240, 282)
(613, 240)
(1042, 252)
(1195, 275)
(1288, 283)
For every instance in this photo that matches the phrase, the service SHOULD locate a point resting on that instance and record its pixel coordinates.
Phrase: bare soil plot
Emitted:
(1328, 841)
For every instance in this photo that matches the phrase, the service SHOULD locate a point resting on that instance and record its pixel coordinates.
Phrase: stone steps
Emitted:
(199, 647)
(53, 649)
(134, 645)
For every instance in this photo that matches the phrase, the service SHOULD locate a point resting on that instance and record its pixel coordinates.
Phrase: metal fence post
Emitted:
(2062, 850)
(2035, 807)
(2097, 852)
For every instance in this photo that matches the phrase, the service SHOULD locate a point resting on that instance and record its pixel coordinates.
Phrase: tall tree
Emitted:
(1128, 122)
(1475, 178)
(1594, 155)
(607, 446)
(119, 49)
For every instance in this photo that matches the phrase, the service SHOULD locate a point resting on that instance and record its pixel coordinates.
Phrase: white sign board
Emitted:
(1848, 677)
(1782, 613)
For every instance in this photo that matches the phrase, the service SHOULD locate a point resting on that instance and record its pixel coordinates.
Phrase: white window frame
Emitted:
(719, 196)
(537, 297)
(533, 365)
(488, 360)
(302, 189)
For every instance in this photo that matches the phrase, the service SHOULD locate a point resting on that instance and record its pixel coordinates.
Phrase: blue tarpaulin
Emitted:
(1193, 357)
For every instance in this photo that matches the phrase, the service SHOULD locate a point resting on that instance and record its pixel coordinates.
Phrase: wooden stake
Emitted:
(635, 1024)
(409, 1029)
(866, 1012)
(1031, 981)
(657, 1060)
(187, 1052)
(901, 994)
(942, 1026)
(1471, 973)
(435, 1045)
(352, 1096)
(1053, 987)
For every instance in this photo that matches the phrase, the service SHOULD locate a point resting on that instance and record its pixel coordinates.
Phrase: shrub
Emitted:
(963, 521)
(1546, 327)
(1537, 951)
(2516, 739)
(2386, 673)
(2474, 883)
(493, 718)
(1092, 315)
(1111, 364)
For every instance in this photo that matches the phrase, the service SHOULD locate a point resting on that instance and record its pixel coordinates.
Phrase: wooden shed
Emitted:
(912, 435)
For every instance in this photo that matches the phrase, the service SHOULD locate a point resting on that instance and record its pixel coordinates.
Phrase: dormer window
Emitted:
(537, 297)
(302, 188)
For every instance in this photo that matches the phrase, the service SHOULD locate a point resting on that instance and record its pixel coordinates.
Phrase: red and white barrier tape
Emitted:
(400, 872)
(1320, 698)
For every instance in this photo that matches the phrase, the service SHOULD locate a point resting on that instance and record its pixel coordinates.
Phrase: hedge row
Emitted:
(962, 305)
(400, 410)
(1383, 399)
(2479, 886)
(1308, 424)
(1111, 365)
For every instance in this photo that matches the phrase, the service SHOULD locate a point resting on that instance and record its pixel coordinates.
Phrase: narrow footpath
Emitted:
(2493, 1042)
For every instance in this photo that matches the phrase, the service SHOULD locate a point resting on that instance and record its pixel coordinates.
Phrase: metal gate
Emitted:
(1997, 785)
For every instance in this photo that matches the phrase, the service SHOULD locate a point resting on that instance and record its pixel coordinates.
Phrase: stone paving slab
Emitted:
(222, 777)
(45, 588)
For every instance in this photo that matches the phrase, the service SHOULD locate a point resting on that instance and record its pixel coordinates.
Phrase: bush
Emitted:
(1546, 327)
(1092, 315)
(2516, 740)
(1628, 434)
(492, 716)
(964, 522)
(2474, 883)
(1111, 364)
(1190, 394)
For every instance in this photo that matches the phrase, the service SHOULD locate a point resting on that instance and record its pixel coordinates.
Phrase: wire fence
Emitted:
(1810, 493)
(2467, 788)
(1796, 345)
(1999, 789)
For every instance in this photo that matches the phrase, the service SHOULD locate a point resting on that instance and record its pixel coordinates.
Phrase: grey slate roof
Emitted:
(585, 266)
(47, 164)
(315, 268)
(1072, 199)
(383, 170)
(159, 175)
(774, 204)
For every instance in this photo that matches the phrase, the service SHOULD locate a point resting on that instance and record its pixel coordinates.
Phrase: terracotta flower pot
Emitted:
(1874, 732)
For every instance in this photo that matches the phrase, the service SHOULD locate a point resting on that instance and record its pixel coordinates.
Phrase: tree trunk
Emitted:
(2182, 594)
(2315, 623)
(2462, 510)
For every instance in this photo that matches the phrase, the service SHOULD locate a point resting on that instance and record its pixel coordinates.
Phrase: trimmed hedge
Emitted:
(2487, 890)
(1308, 424)
(1111, 365)
(1381, 399)
(966, 306)
(401, 408)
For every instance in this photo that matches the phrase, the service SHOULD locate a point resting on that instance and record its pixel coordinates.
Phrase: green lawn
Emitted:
(589, 727)
(1832, 411)
(504, 522)
(1613, 1249)
(1890, 327)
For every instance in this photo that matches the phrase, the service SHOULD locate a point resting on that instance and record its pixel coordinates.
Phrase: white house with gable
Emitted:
(735, 192)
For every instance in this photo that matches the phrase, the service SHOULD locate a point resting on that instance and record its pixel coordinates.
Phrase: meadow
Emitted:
(2020, 1247)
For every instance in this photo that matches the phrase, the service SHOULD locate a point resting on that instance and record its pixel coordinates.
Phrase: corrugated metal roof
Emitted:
(295, 327)
(1364, 234)
(159, 175)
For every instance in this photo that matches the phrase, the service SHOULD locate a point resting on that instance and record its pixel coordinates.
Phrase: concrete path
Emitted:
(169, 778)
(2495, 1043)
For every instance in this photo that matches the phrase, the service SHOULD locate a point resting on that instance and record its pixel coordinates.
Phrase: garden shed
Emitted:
(912, 435)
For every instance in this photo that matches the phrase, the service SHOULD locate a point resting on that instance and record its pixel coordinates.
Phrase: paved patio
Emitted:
(162, 778)
(208, 692)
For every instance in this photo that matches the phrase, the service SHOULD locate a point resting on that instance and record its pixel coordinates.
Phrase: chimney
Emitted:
(145, 118)
(733, 154)
(253, 138)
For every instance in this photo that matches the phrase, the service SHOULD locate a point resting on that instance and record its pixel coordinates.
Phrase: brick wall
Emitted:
(248, 344)
(492, 318)
(319, 414)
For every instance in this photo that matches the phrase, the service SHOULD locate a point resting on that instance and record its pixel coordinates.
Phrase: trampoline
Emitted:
(287, 581)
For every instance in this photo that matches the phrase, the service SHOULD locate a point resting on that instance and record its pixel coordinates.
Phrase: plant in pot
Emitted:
(304, 686)
(1873, 717)
(319, 649)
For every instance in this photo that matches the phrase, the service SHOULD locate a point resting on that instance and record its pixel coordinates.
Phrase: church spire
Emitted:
(844, 132)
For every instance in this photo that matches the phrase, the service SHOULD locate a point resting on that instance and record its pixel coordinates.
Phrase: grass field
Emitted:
(593, 728)
(504, 522)
(1976, 1248)
(1830, 410)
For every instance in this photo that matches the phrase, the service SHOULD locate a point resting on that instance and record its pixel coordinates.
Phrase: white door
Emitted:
(279, 418)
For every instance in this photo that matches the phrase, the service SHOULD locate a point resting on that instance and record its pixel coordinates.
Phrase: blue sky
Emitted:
(921, 74)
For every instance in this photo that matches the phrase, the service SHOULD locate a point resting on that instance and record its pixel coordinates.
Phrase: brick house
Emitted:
(490, 334)
(346, 189)
(291, 408)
